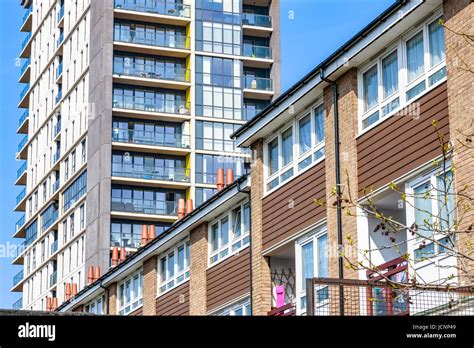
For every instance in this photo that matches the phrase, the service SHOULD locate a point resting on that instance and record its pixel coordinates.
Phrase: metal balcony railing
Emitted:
(163, 174)
(257, 20)
(255, 51)
(146, 207)
(257, 83)
(151, 104)
(18, 278)
(21, 170)
(164, 7)
(151, 138)
(151, 71)
(23, 118)
(167, 40)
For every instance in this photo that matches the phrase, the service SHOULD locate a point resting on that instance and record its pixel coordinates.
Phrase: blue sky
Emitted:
(310, 31)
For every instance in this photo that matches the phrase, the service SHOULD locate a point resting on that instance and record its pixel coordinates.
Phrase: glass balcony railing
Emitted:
(251, 113)
(60, 39)
(257, 83)
(19, 249)
(61, 13)
(53, 277)
(151, 138)
(257, 20)
(21, 170)
(25, 65)
(24, 91)
(152, 72)
(146, 207)
(55, 186)
(57, 128)
(18, 278)
(164, 174)
(23, 118)
(59, 96)
(56, 156)
(164, 7)
(151, 104)
(255, 51)
(21, 221)
(20, 196)
(28, 11)
(168, 40)
(59, 70)
(25, 41)
(22, 143)
(49, 220)
(18, 305)
(54, 247)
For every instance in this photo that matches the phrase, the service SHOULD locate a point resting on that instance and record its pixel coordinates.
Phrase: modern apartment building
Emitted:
(386, 98)
(127, 112)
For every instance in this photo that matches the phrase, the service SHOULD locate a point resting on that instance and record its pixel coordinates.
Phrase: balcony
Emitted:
(17, 280)
(257, 56)
(25, 71)
(54, 247)
(57, 129)
(27, 19)
(56, 157)
(60, 18)
(49, 218)
(26, 47)
(174, 175)
(20, 201)
(143, 106)
(21, 175)
(154, 7)
(60, 40)
(59, 96)
(166, 44)
(20, 223)
(147, 207)
(22, 153)
(257, 87)
(55, 186)
(256, 25)
(150, 138)
(53, 278)
(59, 71)
(18, 305)
(18, 254)
(151, 76)
(24, 97)
(23, 123)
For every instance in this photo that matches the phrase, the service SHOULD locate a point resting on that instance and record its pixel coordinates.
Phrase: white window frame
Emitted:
(136, 300)
(165, 282)
(240, 242)
(403, 85)
(414, 243)
(297, 157)
(313, 236)
(94, 304)
(230, 310)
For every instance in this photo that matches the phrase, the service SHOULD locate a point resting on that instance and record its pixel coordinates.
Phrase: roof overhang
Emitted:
(361, 48)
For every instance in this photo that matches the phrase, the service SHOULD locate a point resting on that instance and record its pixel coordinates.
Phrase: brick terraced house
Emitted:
(262, 243)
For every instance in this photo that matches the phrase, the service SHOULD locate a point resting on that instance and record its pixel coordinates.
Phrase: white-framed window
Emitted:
(311, 261)
(230, 233)
(430, 205)
(412, 65)
(173, 267)
(130, 293)
(241, 308)
(294, 148)
(96, 306)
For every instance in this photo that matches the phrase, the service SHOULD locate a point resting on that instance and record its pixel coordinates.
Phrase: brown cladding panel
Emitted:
(291, 208)
(228, 279)
(137, 313)
(171, 303)
(404, 141)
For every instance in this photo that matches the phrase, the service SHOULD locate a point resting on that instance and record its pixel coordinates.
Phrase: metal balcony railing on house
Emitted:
(162, 174)
(151, 138)
(257, 83)
(158, 39)
(255, 51)
(151, 104)
(164, 7)
(23, 118)
(18, 278)
(330, 296)
(18, 305)
(257, 20)
(151, 71)
(21, 170)
(146, 207)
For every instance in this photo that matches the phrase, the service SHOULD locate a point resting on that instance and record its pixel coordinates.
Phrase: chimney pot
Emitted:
(49, 303)
(181, 209)
(144, 234)
(90, 275)
(152, 233)
(74, 289)
(68, 291)
(123, 254)
(189, 206)
(229, 177)
(220, 179)
(115, 257)
(55, 303)
(96, 273)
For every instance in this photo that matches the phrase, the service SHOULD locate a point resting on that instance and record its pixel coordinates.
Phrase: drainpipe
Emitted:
(106, 297)
(338, 186)
(250, 242)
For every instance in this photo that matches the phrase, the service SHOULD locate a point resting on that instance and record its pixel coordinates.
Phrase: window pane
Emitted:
(390, 74)
(370, 82)
(287, 146)
(246, 217)
(307, 265)
(305, 134)
(323, 256)
(181, 258)
(415, 56)
(273, 156)
(170, 265)
(224, 231)
(214, 237)
(423, 209)
(237, 218)
(319, 123)
(445, 201)
(436, 39)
